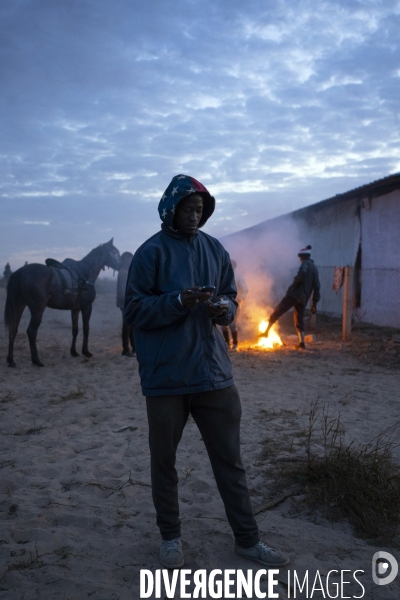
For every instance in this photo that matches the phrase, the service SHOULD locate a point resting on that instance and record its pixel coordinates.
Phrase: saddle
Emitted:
(52, 262)
(81, 283)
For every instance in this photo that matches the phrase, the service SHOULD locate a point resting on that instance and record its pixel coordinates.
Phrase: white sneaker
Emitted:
(171, 554)
(263, 554)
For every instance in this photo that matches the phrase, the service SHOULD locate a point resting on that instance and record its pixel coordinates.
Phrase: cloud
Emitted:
(36, 222)
(272, 105)
(42, 194)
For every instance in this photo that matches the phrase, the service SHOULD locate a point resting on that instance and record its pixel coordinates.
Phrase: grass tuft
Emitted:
(358, 482)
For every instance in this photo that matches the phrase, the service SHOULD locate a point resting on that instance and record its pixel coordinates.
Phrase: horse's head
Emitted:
(112, 257)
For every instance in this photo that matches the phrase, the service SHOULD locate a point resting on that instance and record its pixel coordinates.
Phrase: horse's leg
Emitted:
(12, 332)
(36, 318)
(86, 312)
(74, 317)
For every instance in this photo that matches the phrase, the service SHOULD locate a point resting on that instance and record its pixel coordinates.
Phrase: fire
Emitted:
(273, 338)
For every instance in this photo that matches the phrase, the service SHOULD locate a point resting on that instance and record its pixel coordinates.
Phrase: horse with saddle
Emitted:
(67, 285)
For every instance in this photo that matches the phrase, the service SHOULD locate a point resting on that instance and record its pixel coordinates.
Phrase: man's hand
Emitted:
(194, 296)
(217, 311)
(313, 309)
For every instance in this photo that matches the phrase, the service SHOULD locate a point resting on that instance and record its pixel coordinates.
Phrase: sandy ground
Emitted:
(76, 509)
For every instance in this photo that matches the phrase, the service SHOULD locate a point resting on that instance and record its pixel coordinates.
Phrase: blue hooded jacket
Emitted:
(179, 350)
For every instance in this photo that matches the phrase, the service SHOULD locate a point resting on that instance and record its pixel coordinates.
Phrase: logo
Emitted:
(384, 568)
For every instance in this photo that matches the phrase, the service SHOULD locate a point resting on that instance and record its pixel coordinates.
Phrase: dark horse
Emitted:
(68, 286)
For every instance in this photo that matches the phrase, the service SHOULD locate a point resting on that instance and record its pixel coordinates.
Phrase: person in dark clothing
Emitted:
(298, 294)
(7, 272)
(127, 333)
(184, 365)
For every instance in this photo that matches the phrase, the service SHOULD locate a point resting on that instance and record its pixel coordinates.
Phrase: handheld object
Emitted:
(208, 288)
(220, 303)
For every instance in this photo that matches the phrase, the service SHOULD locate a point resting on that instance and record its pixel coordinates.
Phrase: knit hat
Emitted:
(305, 251)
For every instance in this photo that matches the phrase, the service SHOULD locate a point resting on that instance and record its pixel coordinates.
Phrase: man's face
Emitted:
(188, 214)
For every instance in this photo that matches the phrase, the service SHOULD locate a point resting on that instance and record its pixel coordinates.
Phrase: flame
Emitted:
(253, 324)
(273, 338)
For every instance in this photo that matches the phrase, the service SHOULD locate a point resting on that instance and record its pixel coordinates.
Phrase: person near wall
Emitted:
(127, 332)
(305, 284)
(242, 291)
(184, 365)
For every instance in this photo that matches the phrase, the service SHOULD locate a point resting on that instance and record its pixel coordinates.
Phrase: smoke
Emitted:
(266, 257)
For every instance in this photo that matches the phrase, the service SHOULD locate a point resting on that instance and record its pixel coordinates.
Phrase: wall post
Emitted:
(347, 303)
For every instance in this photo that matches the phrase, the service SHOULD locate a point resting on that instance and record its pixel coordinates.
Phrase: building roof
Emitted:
(379, 187)
(369, 190)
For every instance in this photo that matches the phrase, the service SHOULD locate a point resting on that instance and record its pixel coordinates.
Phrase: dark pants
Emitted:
(233, 329)
(127, 335)
(225, 333)
(217, 415)
(286, 304)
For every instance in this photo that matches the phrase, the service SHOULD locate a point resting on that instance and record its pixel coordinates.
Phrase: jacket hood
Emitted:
(180, 187)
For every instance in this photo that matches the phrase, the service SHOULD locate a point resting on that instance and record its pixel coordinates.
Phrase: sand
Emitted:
(77, 515)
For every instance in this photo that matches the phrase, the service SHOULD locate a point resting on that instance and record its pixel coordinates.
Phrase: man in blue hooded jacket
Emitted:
(184, 366)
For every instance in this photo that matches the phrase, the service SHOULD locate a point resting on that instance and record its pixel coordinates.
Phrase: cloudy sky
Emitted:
(272, 104)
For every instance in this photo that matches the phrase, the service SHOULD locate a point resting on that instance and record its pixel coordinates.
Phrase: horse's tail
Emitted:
(13, 300)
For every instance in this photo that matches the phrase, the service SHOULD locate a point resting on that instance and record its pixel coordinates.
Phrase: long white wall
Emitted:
(380, 232)
(334, 229)
(380, 277)
(331, 228)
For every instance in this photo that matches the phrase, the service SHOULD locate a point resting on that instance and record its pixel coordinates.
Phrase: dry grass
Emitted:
(358, 482)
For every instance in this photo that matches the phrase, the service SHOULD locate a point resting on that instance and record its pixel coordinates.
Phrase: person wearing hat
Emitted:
(297, 296)
(184, 365)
